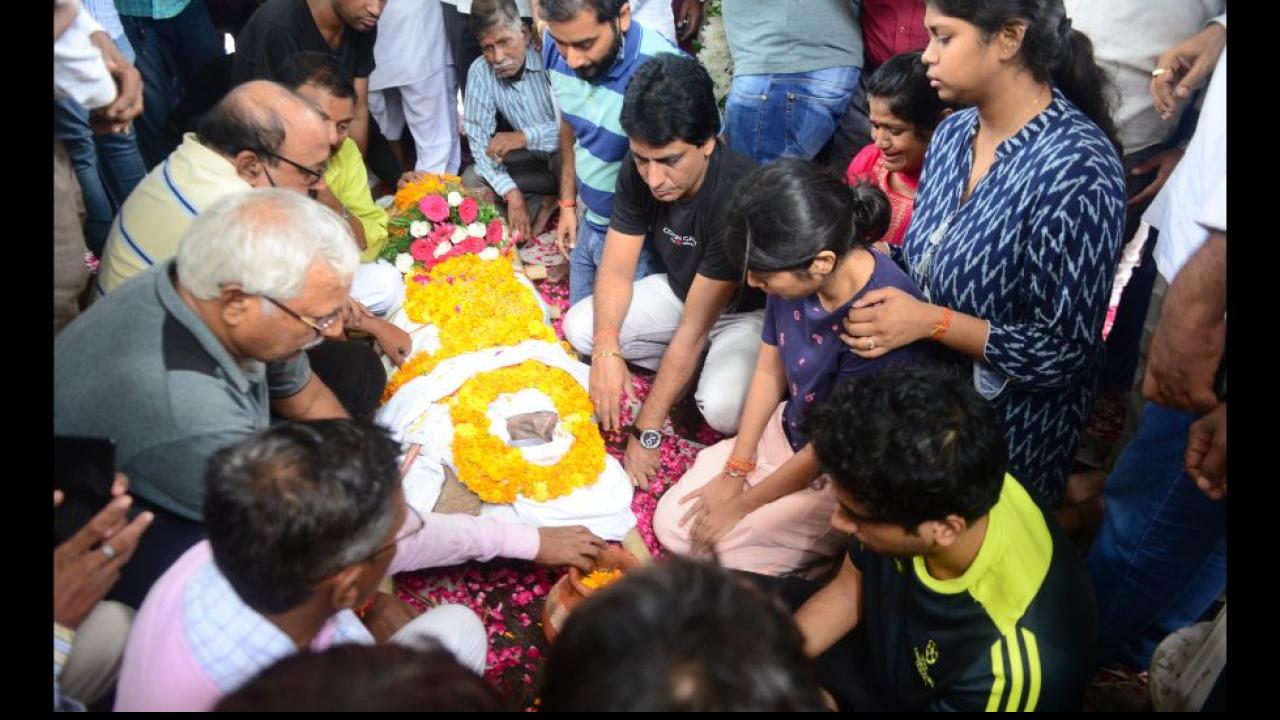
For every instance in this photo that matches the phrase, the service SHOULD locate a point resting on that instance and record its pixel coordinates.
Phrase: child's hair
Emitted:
(902, 83)
(788, 211)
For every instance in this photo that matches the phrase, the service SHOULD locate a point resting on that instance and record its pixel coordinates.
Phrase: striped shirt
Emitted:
(104, 11)
(526, 103)
(594, 111)
(158, 9)
(158, 211)
(63, 639)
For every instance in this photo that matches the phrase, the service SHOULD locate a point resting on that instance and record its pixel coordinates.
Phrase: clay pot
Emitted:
(613, 558)
(569, 592)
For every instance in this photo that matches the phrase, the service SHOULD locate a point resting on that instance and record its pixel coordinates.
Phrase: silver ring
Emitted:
(871, 343)
(1158, 72)
(109, 551)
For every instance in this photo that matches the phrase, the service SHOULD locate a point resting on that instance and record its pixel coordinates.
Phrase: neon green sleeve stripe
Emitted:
(1033, 669)
(1015, 675)
(997, 670)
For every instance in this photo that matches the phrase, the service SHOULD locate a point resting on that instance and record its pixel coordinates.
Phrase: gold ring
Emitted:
(1158, 72)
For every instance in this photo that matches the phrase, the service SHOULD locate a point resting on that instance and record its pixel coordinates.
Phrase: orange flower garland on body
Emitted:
(476, 304)
(497, 472)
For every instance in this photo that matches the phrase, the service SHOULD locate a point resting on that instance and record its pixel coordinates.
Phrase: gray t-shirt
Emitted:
(791, 36)
(141, 368)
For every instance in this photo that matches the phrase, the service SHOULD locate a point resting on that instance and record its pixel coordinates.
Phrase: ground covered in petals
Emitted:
(509, 595)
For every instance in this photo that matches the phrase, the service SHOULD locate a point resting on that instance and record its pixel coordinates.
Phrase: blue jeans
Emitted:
(790, 114)
(1160, 558)
(171, 54)
(588, 253)
(107, 167)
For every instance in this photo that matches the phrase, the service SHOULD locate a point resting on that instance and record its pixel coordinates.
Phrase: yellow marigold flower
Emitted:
(497, 472)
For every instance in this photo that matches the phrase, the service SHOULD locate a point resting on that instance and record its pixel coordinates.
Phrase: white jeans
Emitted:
(430, 108)
(455, 627)
(379, 287)
(647, 330)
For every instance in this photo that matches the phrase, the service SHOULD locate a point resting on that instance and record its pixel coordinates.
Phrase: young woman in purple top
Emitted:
(759, 500)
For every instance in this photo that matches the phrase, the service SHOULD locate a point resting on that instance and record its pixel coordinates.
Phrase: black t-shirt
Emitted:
(1017, 631)
(281, 28)
(688, 235)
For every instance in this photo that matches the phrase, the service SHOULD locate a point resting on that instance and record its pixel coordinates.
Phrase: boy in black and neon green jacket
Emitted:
(957, 593)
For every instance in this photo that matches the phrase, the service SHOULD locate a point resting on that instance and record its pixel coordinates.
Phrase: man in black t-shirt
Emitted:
(675, 185)
(958, 592)
(346, 29)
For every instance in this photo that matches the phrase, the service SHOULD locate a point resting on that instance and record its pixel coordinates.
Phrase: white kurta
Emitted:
(412, 83)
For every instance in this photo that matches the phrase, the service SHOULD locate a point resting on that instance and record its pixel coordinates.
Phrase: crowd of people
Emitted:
(897, 267)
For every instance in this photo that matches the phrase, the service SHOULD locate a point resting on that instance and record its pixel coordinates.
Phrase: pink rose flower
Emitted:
(421, 249)
(434, 208)
(493, 233)
(442, 230)
(468, 210)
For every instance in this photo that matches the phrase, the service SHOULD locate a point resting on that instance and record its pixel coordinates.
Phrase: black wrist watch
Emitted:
(649, 439)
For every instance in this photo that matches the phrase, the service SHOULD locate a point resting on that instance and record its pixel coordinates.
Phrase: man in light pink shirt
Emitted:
(304, 521)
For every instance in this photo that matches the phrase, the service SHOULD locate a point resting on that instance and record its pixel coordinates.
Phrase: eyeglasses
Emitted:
(413, 520)
(320, 325)
(316, 176)
(417, 523)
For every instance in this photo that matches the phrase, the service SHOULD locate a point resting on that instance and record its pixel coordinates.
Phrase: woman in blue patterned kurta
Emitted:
(1017, 225)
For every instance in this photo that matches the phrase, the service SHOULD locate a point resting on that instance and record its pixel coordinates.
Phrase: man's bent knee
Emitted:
(578, 325)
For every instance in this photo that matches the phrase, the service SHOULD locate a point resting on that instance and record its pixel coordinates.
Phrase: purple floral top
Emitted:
(813, 356)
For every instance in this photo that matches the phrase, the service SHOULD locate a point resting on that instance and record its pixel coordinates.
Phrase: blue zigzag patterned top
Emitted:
(1033, 251)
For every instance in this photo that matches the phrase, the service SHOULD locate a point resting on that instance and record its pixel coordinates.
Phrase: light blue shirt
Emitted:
(526, 103)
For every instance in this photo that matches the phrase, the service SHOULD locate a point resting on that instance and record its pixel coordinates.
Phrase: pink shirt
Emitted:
(187, 649)
(869, 165)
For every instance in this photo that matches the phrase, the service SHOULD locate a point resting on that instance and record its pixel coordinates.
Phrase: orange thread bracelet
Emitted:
(941, 327)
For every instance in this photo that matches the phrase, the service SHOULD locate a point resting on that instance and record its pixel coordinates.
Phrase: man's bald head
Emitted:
(260, 123)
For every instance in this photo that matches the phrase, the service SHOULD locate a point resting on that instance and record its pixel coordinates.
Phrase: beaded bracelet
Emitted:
(738, 466)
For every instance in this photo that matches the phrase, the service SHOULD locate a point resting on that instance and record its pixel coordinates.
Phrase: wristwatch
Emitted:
(649, 439)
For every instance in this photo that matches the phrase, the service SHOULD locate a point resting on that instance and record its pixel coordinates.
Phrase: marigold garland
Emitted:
(497, 472)
(476, 304)
(429, 184)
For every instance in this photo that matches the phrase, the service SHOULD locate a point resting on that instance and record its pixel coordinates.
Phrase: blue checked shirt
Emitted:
(526, 103)
(231, 641)
(157, 9)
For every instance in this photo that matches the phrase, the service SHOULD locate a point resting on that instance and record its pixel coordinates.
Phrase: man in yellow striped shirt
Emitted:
(957, 592)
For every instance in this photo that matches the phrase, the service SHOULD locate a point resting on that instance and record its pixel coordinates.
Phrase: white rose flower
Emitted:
(455, 199)
(419, 228)
(489, 253)
(476, 229)
(444, 247)
(459, 234)
(404, 263)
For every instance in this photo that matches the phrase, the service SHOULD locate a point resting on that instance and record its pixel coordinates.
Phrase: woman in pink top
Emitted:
(904, 111)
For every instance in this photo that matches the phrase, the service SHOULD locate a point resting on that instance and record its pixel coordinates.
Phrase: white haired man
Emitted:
(202, 350)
